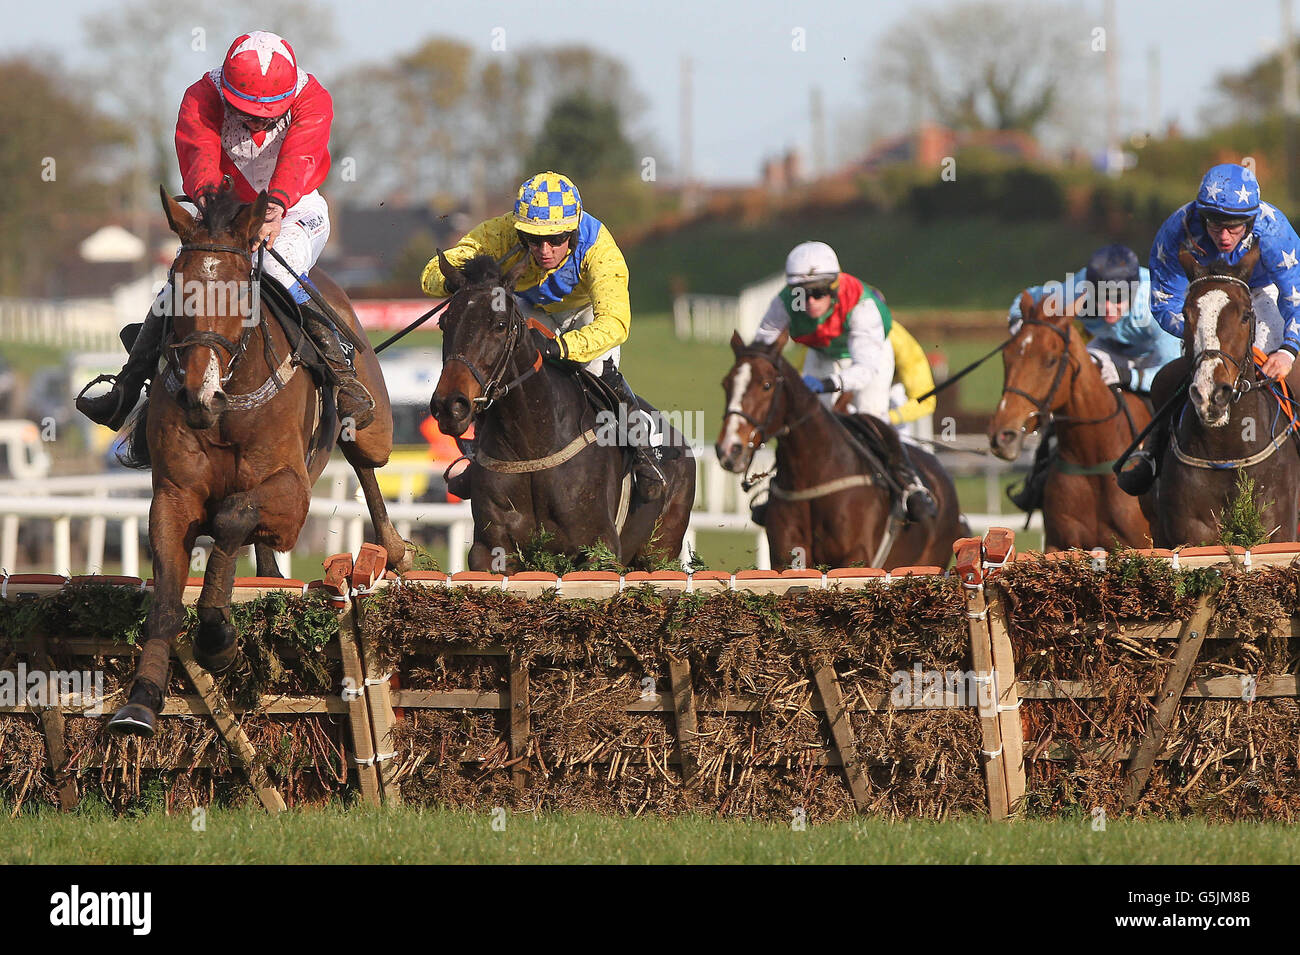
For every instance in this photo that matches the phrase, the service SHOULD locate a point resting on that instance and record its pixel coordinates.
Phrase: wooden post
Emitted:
(229, 728)
(1190, 638)
(52, 726)
(970, 568)
(519, 720)
(842, 737)
(354, 694)
(379, 706)
(1010, 725)
(679, 675)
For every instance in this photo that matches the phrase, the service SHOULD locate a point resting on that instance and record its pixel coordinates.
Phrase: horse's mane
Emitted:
(221, 209)
(483, 269)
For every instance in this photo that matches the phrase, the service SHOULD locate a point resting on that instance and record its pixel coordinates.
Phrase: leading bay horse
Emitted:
(541, 468)
(228, 431)
(1048, 375)
(827, 503)
(1233, 420)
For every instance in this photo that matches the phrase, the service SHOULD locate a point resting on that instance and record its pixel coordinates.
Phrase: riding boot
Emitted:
(649, 477)
(112, 409)
(918, 502)
(1143, 465)
(758, 512)
(354, 401)
(1030, 495)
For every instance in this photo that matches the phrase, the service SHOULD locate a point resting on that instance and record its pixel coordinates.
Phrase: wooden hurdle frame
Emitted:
(371, 701)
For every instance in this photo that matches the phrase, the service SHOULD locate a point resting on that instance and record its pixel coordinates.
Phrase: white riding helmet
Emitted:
(811, 262)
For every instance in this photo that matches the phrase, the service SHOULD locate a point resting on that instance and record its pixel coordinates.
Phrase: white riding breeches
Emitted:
(302, 238)
(561, 322)
(872, 400)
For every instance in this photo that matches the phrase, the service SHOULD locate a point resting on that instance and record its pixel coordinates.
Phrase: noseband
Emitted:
(490, 387)
(207, 339)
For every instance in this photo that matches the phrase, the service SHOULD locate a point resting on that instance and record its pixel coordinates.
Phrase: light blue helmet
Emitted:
(1228, 191)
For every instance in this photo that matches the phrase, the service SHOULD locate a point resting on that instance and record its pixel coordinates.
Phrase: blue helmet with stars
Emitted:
(1228, 191)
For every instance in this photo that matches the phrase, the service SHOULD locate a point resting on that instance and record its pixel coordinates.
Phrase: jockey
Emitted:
(575, 283)
(913, 377)
(264, 123)
(1112, 296)
(845, 324)
(1224, 222)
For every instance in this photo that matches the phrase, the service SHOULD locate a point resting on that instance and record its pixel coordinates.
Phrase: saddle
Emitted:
(879, 444)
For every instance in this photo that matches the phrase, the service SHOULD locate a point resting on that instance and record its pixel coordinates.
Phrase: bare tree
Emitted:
(987, 65)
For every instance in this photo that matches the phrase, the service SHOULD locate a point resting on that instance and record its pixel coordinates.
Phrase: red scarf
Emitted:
(848, 292)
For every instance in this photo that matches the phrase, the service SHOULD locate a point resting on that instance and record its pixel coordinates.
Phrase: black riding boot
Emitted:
(353, 399)
(918, 502)
(649, 477)
(1030, 496)
(112, 409)
(1143, 466)
(758, 512)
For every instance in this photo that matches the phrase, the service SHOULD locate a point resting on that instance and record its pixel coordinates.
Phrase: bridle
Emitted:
(1043, 406)
(208, 339)
(490, 387)
(761, 427)
(1241, 384)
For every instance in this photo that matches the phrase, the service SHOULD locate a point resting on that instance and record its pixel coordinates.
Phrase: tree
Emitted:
(581, 137)
(986, 65)
(1252, 94)
(60, 166)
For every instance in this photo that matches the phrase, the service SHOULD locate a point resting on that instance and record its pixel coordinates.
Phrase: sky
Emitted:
(752, 91)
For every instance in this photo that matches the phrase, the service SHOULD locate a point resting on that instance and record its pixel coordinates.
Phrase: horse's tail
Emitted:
(135, 453)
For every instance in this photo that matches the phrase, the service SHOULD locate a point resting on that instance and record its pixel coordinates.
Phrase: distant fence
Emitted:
(83, 325)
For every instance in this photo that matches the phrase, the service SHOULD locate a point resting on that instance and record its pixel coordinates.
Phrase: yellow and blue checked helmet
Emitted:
(548, 204)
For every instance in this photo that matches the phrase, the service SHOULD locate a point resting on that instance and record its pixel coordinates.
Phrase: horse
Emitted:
(1083, 505)
(1238, 421)
(541, 474)
(228, 430)
(829, 501)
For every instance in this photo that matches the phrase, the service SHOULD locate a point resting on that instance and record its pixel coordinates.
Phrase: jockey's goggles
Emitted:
(1226, 222)
(259, 123)
(554, 241)
(818, 291)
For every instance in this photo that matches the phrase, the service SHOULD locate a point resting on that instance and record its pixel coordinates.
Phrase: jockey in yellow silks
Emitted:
(575, 283)
(912, 378)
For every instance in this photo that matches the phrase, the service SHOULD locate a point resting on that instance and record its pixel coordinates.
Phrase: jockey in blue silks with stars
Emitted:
(1226, 220)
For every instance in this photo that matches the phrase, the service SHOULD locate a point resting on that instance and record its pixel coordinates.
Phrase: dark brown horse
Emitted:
(1047, 375)
(541, 468)
(229, 430)
(1233, 419)
(825, 504)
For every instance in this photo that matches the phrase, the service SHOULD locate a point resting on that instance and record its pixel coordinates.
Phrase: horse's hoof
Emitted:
(134, 719)
(217, 646)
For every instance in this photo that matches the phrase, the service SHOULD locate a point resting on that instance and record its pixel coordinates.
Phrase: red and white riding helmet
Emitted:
(260, 74)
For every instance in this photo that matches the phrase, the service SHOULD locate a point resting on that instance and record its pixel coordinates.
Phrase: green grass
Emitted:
(411, 836)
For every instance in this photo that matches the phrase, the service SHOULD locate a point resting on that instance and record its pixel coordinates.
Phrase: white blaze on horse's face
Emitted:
(211, 380)
(739, 385)
(1209, 307)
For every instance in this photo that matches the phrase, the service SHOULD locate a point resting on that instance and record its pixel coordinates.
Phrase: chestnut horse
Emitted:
(1048, 375)
(229, 430)
(540, 467)
(827, 505)
(1233, 419)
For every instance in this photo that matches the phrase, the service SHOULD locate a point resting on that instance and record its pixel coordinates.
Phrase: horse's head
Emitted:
(757, 402)
(484, 336)
(211, 298)
(1034, 363)
(1218, 334)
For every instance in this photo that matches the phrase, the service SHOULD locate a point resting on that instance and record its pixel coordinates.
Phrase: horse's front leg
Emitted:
(174, 520)
(401, 555)
(275, 510)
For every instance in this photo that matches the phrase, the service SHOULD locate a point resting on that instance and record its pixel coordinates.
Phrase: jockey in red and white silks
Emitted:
(264, 122)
